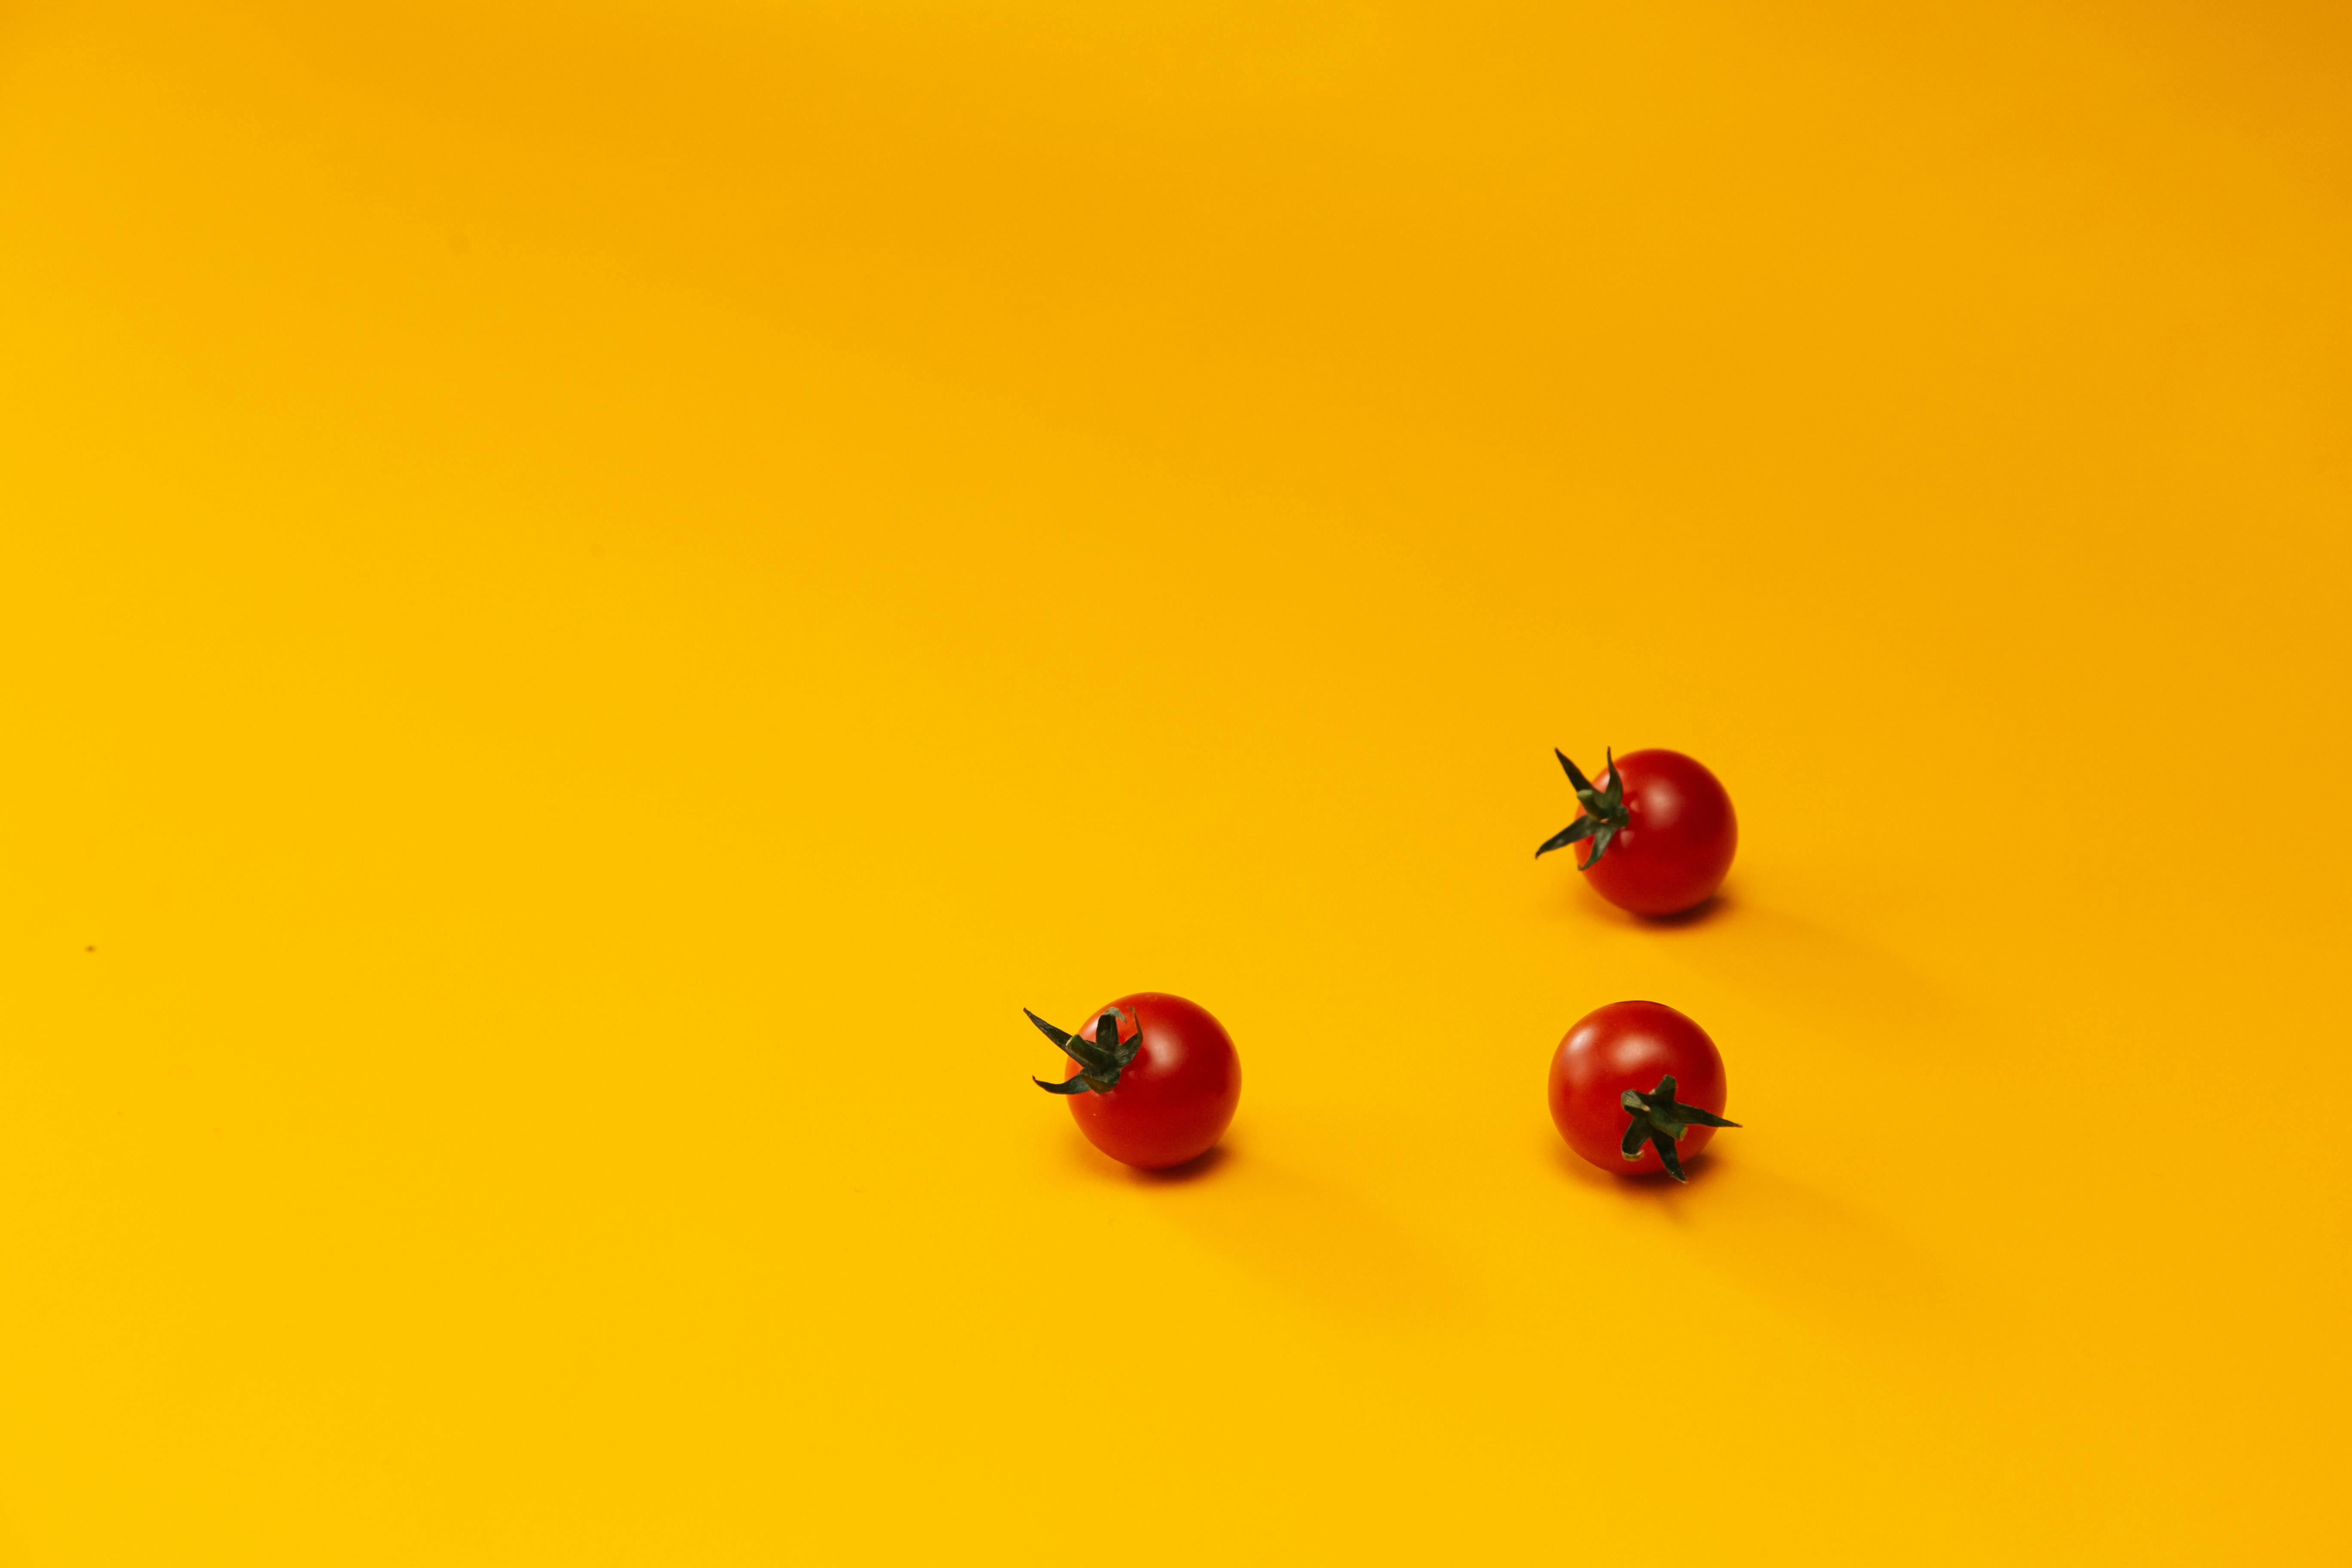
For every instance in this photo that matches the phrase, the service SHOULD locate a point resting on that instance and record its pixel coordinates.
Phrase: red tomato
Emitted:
(1637, 1078)
(1662, 830)
(1163, 1092)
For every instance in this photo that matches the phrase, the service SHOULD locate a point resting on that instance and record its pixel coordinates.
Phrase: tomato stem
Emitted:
(1604, 812)
(1658, 1119)
(1099, 1065)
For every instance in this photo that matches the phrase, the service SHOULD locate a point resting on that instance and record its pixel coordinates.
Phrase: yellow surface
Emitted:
(592, 597)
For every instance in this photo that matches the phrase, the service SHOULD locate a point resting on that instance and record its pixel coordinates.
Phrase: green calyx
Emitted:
(1657, 1119)
(1604, 812)
(1099, 1064)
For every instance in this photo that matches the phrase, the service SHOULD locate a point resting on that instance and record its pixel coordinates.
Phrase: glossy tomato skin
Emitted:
(1176, 1098)
(1631, 1045)
(1675, 852)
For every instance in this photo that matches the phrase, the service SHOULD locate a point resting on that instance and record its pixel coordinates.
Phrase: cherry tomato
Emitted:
(1152, 1078)
(1662, 830)
(1636, 1088)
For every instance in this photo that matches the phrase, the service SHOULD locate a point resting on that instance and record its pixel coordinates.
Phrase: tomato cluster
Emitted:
(1635, 1086)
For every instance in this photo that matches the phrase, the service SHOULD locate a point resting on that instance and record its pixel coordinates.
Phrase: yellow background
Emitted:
(593, 597)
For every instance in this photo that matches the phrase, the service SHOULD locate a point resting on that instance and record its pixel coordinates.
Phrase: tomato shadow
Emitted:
(1713, 907)
(1197, 1168)
(1778, 1236)
(1576, 897)
(1831, 979)
(1649, 1188)
(1311, 1238)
